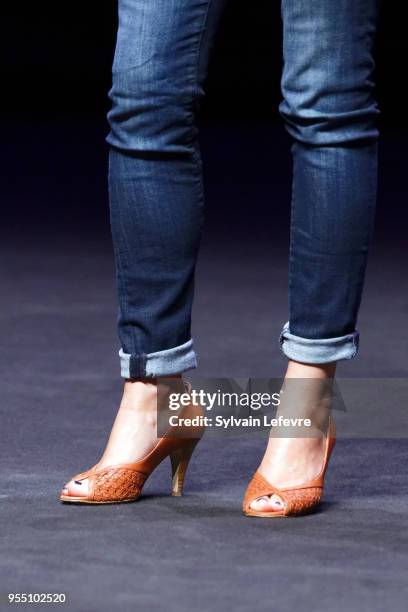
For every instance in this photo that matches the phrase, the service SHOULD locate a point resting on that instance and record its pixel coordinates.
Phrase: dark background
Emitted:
(56, 60)
(56, 72)
(59, 374)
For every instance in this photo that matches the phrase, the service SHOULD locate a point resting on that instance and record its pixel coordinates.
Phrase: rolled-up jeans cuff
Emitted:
(162, 363)
(323, 350)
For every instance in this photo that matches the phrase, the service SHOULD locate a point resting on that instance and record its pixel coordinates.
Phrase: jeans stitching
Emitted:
(137, 365)
(121, 261)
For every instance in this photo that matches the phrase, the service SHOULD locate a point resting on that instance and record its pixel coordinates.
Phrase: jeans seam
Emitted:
(137, 365)
(291, 236)
(195, 92)
(122, 276)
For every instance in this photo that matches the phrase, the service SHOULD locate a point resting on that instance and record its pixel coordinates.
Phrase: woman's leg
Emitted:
(156, 202)
(155, 181)
(330, 111)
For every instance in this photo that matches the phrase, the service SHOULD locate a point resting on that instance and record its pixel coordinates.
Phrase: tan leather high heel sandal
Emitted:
(298, 500)
(124, 482)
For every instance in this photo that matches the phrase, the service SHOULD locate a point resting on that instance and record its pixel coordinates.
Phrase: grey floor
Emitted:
(60, 387)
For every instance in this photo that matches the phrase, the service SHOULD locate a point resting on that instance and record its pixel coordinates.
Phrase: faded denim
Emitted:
(155, 179)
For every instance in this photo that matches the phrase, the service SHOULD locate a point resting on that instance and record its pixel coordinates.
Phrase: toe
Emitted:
(276, 503)
(268, 504)
(261, 504)
(76, 488)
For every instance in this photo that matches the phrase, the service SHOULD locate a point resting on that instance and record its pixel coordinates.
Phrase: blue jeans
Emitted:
(155, 179)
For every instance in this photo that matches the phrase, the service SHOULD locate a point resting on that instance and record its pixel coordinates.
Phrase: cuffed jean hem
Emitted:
(163, 363)
(324, 350)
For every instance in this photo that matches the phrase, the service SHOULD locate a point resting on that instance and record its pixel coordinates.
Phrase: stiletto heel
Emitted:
(124, 482)
(180, 459)
(297, 500)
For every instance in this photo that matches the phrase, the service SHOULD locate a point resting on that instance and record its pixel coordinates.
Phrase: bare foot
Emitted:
(292, 461)
(134, 432)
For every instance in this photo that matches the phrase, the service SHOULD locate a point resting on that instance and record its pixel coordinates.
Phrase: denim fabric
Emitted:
(155, 180)
(162, 363)
(318, 350)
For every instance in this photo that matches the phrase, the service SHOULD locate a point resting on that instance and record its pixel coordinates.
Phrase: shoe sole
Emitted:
(80, 500)
(267, 514)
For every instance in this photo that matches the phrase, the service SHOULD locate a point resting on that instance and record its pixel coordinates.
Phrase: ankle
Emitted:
(143, 386)
(307, 393)
(296, 369)
(146, 385)
(142, 394)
